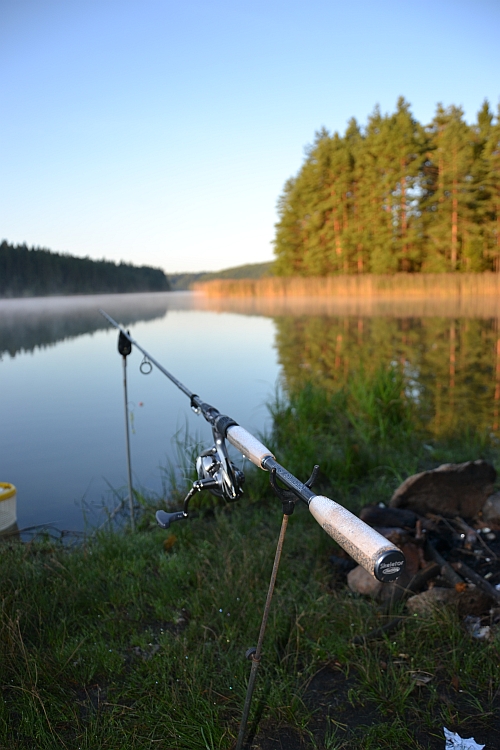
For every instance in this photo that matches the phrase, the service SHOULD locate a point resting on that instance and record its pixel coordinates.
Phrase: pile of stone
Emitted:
(447, 523)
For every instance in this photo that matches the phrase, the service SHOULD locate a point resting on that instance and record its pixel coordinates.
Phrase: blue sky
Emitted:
(163, 132)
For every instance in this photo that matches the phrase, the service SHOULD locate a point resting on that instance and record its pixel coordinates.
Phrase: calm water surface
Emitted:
(61, 398)
(61, 403)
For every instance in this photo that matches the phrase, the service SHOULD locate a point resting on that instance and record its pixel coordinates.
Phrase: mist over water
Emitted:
(27, 324)
(61, 394)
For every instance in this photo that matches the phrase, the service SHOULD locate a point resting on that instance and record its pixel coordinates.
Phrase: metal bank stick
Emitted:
(124, 348)
(217, 473)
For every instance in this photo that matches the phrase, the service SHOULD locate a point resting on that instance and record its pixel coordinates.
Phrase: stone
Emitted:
(491, 510)
(428, 602)
(450, 490)
(469, 601)
(362, 582)
(473, 601)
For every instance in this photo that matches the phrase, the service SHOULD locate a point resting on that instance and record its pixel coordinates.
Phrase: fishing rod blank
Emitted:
(216, 473)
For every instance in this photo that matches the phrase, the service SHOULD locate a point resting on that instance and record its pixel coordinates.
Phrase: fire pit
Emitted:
(447, 523)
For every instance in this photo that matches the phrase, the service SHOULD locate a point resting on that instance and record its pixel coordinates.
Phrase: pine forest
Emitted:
(395, 196)
(37, 272)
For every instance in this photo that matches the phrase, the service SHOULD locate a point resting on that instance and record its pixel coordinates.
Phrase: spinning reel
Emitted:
(216, 473)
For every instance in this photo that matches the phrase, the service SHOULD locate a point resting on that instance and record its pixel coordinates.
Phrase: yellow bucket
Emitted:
(8, 505)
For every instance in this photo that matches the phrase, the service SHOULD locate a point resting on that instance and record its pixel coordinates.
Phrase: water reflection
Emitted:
(26, 324)
(62, 408)
(449, 349)
(453, 365)
(457, 307)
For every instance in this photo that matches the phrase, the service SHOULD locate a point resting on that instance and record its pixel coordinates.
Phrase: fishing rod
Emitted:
(218, 474)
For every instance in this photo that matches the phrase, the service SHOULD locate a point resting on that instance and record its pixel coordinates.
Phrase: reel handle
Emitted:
(164, 519)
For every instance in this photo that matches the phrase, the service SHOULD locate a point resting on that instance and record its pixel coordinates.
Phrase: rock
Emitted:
(473, 601)
(470, 601)
(449, 490)
(374, 515)
(430, 601)
(362, 582)
(491, 510)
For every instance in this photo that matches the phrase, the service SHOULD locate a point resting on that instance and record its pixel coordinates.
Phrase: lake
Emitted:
(62, 440)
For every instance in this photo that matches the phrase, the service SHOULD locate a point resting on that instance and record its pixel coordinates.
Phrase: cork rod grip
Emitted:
(248, 445)
(370, 549)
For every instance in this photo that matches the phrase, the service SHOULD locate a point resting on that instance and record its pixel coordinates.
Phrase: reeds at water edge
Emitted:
(397, 286)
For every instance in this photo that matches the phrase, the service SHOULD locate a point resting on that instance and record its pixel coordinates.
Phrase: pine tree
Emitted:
(451, 192)
(331, 208)
(476, 214)
(355, 230)
(395, 196)
(406, 147)
(373, 194)
(289, 239)
(492, 190)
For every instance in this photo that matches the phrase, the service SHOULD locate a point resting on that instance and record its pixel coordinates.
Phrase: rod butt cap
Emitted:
(389, 565)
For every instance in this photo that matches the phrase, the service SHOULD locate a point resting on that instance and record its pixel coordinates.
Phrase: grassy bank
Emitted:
(400, 285)
(138, 641)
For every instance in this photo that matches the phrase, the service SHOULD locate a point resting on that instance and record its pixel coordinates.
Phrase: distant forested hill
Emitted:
(183, 281)
(395, 195)
(38, 272)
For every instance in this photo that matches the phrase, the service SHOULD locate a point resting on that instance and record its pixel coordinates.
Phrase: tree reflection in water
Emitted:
(449, 350)
(452, 365)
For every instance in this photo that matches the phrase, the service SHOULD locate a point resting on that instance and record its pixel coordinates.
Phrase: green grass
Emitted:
(364, 438)
(122, 643)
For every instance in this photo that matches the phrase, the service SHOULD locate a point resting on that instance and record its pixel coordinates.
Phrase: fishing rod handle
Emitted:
(248, 445)
(370, 549)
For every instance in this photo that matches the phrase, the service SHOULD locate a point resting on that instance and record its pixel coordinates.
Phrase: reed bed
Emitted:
(402, 286)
